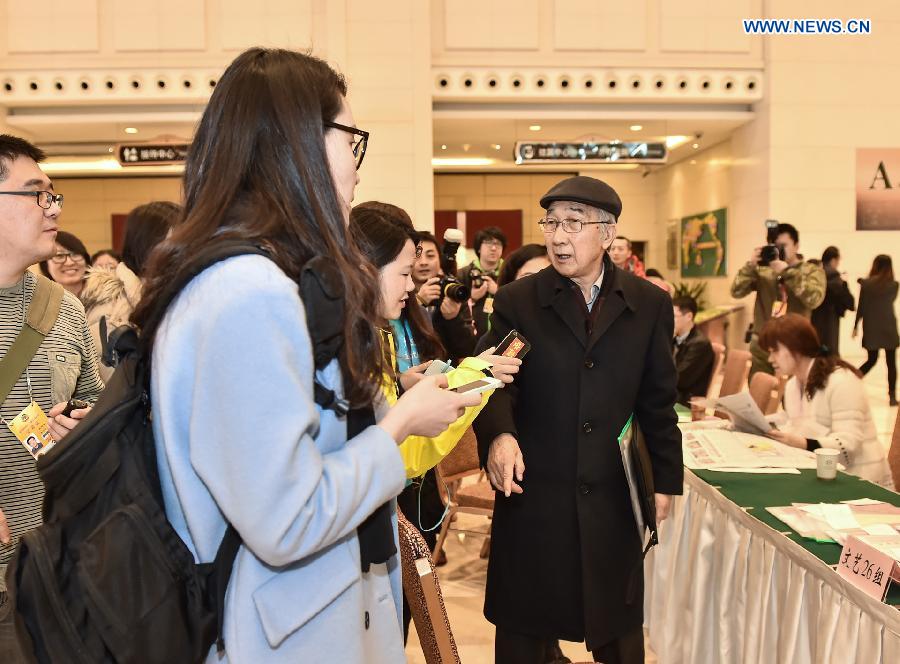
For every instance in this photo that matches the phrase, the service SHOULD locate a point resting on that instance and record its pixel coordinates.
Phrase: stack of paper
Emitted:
(827, 522)
(731, 451)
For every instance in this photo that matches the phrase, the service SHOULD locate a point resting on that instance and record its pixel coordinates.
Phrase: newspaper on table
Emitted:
(745, 415)
(716, 449)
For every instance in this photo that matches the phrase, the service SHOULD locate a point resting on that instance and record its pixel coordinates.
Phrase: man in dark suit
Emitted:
(694, 354)
(566, 555)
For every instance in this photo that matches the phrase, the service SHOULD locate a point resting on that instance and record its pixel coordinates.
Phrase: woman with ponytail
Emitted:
(824, 400)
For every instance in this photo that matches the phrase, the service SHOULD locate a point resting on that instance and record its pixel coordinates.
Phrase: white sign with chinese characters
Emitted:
(866, 567)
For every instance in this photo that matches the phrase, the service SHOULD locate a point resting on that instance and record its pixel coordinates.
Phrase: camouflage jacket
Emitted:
(804, 286)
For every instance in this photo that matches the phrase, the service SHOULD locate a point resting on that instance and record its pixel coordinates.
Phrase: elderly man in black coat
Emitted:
(566, 554)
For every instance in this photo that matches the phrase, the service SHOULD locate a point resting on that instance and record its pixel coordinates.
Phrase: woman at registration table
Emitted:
(824, 400)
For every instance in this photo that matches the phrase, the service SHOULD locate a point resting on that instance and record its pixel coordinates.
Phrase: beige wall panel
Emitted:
(379, 37)
(385, 56)
(366, 10)
(273, 23)
(612, 25)
(374, 71)
(52, 26)
(90, 202)
(379, 105)
(386, 139)
(159, 25)
(492, 24)
(459, 185)
(684, 189)
(508, 185)
(705, 26)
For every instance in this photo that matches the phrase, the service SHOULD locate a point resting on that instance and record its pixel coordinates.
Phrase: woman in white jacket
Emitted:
(824, 399)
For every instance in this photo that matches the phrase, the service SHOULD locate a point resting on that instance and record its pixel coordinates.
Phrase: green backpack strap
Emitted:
(39, 320)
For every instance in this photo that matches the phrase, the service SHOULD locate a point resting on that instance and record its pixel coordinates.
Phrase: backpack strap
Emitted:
(221, 575)
(39, 320)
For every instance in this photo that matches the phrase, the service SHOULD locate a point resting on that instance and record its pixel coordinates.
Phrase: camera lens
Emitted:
(456, 291)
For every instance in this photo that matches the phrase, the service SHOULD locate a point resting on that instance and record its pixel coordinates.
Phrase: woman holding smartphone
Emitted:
(240, 438)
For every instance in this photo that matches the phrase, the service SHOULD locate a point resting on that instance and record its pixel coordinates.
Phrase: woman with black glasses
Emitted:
(250, 429)
(69, 264)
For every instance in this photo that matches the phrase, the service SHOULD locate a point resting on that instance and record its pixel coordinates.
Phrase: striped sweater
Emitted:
(64, 367)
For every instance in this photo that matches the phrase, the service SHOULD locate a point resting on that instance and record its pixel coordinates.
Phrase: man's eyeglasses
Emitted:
(549, 224)
(61, 257)
(359, 145)
(44, 198)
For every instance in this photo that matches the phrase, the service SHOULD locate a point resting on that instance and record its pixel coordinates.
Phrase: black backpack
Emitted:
(107, 579)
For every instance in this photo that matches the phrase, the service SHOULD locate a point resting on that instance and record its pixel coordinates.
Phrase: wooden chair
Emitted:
(893, 456)
(719, 350)
(764, 390)
(737, 368)
(476, 498)
(423, 593)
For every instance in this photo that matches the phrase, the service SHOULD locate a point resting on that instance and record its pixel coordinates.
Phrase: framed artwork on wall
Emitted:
(877, 193)
(704, 244)
(672, 228)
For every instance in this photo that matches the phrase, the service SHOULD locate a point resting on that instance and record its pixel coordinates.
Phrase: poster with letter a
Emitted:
(877, 192)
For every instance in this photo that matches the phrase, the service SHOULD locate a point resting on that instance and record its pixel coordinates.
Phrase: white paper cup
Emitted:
(826, 463)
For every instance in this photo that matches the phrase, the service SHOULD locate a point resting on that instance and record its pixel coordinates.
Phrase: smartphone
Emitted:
(437, 367)
(513, 345)
(74, 404)
(478, 386)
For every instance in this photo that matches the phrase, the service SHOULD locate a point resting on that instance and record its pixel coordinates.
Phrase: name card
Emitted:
(866, 567)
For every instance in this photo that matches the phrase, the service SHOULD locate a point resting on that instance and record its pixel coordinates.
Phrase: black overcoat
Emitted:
(564, 553)
(876, 311)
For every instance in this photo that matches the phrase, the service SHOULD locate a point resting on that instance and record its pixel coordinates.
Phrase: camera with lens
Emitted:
(454, 289)
(475, 278)
(771, 251)
(451, 287)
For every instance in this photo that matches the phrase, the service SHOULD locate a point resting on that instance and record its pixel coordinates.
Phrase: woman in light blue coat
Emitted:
(240, 438)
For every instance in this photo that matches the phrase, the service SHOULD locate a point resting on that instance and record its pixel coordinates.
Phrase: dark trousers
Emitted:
(890, 358)
(512, 648)
(10, 651)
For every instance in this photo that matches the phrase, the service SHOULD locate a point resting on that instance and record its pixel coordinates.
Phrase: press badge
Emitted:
(488, 305)
(32, 429)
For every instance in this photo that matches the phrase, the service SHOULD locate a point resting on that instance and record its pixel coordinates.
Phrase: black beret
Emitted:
(582, 189)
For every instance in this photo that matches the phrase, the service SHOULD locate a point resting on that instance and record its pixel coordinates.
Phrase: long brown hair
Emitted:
(257, 171)
(797, 334)
(882, 271)
(382, 230)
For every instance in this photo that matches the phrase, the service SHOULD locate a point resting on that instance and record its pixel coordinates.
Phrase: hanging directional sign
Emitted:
(147, 154)
(530, 152)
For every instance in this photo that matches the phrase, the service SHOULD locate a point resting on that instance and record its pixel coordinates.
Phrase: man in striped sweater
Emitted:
(64, 367)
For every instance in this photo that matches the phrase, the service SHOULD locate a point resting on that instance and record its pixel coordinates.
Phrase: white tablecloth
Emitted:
(723, 587)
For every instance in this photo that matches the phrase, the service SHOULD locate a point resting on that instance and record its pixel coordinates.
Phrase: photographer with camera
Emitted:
(445, 298)
(483, 274)
(784, 284)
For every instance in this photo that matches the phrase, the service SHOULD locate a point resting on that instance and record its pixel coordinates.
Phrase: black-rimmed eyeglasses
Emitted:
(359, 145)
(45, 199)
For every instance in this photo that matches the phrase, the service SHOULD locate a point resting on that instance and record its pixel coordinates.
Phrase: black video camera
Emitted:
(771, 251)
